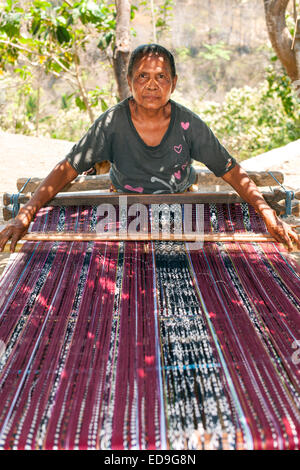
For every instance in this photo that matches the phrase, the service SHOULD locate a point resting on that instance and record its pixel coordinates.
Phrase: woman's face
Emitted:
(151, 83)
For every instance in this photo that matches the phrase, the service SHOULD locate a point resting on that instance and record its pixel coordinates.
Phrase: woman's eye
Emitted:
(163, 77)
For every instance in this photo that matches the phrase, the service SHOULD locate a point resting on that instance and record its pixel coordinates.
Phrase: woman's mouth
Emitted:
(151, 97)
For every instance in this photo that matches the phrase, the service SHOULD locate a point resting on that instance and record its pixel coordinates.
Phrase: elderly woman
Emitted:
(150, 142)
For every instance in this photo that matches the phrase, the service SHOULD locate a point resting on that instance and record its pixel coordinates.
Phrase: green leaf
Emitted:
(53, 66)
(23, 72)
(35, 26)
(80, 104)
(62, 34)
(11, 24)
(66, 100)
(101, 44)
(104, 105)
(9, 5)
(108, 37)
(42, 4)
(132, 11)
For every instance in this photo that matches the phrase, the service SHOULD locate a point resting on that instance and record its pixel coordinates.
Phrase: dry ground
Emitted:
(23, 156)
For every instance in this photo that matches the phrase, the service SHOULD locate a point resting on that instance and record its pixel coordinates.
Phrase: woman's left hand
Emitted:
(247, 189)
(280, 230)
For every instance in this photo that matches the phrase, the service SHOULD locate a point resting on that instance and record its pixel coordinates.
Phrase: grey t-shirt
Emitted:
(138, 167)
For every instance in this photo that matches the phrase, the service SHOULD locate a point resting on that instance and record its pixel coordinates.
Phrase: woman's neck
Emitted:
(140, 113)
(151, 126)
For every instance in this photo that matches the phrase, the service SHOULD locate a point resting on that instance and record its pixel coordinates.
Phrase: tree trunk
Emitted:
(122, 47)
(297, 54)
(280, 37)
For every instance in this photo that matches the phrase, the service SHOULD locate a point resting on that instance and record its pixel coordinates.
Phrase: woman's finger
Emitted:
(3, 242)
(14, 240)
(289, 239)
(5, 235)
(12, 232)
(280, 234)
(288, 242)
(295, 237)
(285, 239)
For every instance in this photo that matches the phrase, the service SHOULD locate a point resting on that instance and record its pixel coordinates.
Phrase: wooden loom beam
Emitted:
(204, 178)
(92, 190)
(105, 197)
(109, 237)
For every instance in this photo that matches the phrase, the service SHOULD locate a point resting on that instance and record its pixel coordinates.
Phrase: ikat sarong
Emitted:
(150, 345)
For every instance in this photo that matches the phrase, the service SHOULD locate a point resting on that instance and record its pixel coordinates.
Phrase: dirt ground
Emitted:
(23, 156)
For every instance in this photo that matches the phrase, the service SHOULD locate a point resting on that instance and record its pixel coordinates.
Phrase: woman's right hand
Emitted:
(13, 231)
(60, 176)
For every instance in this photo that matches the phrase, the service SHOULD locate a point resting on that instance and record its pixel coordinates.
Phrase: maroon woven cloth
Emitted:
(150, 345)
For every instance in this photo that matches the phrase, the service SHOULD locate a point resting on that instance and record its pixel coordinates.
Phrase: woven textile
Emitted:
(152, 345)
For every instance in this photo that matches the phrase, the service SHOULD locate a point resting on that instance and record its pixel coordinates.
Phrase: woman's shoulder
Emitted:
(186, 113)
(112, 115)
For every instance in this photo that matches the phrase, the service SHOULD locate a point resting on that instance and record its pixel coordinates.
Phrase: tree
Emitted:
(122, 47)
(55, 37)
(161, 13)
(286, 47)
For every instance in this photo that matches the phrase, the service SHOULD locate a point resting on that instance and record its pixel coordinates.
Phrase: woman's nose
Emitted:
(151, 84)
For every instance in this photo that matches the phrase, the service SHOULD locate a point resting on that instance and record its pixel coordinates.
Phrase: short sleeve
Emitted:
(206, 148)
(91, 148)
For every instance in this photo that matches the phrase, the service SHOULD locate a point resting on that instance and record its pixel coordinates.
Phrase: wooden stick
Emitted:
(71, 236)
(185, 237)
(139, 236)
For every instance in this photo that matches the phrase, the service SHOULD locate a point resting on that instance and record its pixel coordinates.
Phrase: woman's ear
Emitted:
(129, 83)
(174, 81)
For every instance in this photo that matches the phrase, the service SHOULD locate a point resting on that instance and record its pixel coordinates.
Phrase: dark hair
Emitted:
(148, 49)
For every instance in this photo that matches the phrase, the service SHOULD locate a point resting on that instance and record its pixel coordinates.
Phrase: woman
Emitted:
(150, 142)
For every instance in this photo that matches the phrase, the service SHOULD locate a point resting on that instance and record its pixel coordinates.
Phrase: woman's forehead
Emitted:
(152, 61)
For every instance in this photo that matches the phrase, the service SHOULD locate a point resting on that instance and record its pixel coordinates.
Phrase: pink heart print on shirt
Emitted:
(185, 125)
(139, 189)
(177, 174)
(178, 148)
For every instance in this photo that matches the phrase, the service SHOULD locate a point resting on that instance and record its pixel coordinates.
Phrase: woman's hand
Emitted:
(15, 230)
(280, 230)
(60, 176)
(247, 189)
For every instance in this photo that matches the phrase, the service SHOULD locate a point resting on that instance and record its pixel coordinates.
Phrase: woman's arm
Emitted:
(61, 175)
(248, 190)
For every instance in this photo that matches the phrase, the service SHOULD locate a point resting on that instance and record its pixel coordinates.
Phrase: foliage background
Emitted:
(228, 74)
